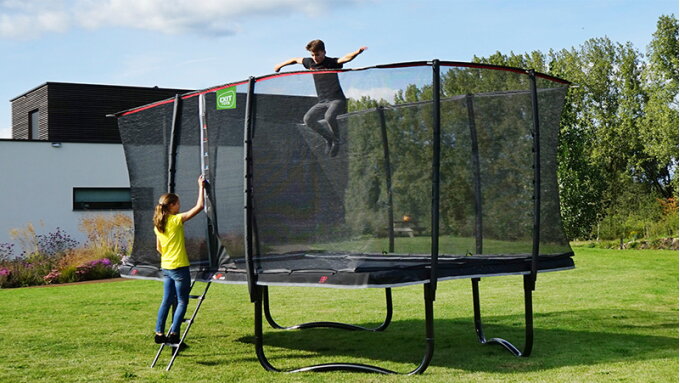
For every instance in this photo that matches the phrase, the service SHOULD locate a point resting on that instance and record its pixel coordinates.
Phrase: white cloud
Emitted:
(386, 94)
(31, 18)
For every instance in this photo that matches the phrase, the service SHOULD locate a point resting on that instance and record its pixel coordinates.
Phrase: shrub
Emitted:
(21, 273)
(77, 257)
(40, 247)
(646, 218)
(667, 226)
(4, 275)
(6, 251)
(56, 258)
(52, 276)
(26, 238)
(68, 275)
(92, 270)
(55, 243)
(108, 234)
(97, 269)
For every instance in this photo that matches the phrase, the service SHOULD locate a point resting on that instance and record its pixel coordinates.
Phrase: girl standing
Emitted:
(169, 228)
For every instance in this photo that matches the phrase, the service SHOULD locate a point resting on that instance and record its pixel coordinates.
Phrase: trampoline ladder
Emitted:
(188, 321)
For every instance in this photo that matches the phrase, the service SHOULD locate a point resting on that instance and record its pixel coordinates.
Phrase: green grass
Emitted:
(614, 318)
(448, 244)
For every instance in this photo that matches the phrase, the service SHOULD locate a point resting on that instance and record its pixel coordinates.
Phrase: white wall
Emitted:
(37, 181)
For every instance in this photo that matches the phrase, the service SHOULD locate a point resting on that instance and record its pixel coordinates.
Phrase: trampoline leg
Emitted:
(528, 318)
(343, 326)
(259, 341)
(354, 367)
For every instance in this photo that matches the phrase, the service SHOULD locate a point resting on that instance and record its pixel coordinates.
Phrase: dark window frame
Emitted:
(34, 118)
(101, 205)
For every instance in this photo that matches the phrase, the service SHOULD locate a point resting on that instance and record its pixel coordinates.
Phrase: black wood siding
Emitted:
(77, 112)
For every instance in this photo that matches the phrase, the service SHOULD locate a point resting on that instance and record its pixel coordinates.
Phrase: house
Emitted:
(65, 160)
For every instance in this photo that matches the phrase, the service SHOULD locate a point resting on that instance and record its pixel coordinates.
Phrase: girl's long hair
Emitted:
(162, 211)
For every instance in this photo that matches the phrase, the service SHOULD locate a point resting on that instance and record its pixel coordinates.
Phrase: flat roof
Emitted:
(97, 85)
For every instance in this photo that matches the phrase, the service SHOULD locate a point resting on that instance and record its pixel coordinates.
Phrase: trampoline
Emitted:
(445, 170)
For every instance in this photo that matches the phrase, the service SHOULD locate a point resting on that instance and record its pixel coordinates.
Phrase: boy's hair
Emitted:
(161, 213)
(316, 45)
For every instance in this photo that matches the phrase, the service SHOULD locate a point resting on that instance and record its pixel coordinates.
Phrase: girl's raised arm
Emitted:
(189, 214)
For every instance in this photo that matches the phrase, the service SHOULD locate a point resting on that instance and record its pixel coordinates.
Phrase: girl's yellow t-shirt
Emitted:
(173, 252)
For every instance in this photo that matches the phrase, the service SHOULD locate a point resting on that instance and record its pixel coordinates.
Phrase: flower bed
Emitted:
(57, 258)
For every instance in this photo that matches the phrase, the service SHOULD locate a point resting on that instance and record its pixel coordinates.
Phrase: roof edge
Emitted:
(47, 83)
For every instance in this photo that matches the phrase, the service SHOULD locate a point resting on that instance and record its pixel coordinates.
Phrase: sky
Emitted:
(196, 44)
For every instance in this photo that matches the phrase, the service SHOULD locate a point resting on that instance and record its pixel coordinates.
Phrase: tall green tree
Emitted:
(659, 131)
(618, 148)
(581, 180)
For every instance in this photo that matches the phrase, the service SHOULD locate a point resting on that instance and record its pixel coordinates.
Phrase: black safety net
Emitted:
(345, 199)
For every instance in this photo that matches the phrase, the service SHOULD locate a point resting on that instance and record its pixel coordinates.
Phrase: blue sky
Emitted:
(195, 44)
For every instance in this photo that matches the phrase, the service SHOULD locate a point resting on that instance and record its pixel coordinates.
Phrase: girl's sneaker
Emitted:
(173, 338)
(160, 338)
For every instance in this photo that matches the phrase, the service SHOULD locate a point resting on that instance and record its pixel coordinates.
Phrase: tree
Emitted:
(659, 130)
(618, 149)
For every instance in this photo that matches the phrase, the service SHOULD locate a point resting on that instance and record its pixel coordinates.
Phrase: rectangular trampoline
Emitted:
(443, 170)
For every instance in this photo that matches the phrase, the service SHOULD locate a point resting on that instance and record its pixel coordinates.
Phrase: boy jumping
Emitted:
(331, 98)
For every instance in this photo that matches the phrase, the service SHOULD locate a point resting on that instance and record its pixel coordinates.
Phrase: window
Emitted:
(34, 125)
(102, 199)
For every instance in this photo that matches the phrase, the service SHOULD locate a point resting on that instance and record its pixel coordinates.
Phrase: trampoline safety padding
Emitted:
(458, 158)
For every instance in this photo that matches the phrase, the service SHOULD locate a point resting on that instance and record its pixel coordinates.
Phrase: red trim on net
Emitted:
(184, 97)
(383, 66)
(145, 107)
(215, 89)
(503, 68)
(286, 74)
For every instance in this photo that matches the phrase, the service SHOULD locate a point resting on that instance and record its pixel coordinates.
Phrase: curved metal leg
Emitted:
(528, 316)
(343, 326)
(354, 367)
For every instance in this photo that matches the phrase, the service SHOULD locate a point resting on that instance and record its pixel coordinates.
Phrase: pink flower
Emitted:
(52, 276)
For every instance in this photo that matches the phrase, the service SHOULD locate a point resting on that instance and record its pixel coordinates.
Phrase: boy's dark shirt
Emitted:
(327, 84)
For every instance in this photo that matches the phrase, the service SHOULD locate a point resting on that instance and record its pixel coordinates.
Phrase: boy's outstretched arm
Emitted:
(350, 56)
(294, 60)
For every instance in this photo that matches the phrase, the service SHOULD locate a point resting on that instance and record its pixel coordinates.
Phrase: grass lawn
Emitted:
(612, 319)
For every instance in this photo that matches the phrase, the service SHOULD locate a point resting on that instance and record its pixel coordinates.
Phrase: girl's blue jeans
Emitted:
(176, 286)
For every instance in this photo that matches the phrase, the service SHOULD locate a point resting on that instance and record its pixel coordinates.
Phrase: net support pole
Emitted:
(528, 279)
(388, 177)
(537, 179)
(476, 174)
(436, 151)
(248, 192)
(208, 206)
(172, 146)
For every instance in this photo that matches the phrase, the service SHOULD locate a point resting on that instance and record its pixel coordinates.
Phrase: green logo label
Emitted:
(226, 98)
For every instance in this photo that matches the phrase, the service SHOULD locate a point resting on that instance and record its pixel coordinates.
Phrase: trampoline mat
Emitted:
(342, 270)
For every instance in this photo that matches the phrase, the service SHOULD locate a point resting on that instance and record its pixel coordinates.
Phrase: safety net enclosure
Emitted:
(392, 175)
(368, 215)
